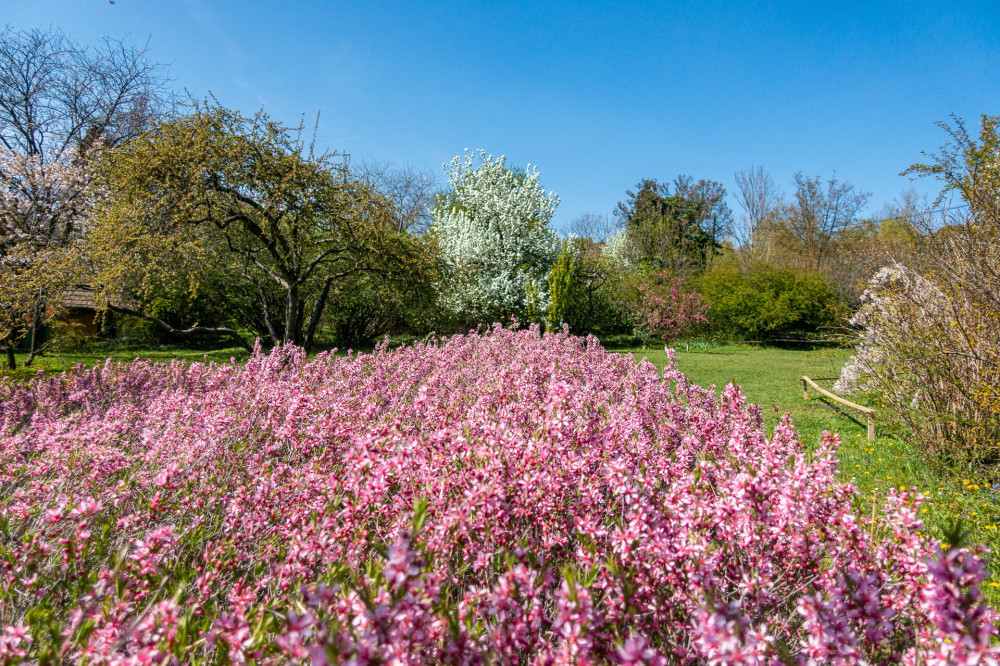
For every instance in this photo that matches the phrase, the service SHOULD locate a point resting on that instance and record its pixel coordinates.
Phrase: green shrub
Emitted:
(602, 298)
(368, 306)
(561, 286)
(765, 302)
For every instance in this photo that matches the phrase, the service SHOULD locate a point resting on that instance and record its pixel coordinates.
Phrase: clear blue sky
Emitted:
(596, 95)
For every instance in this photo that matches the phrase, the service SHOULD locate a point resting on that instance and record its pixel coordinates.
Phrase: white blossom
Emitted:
(43, 212)
(880, 314)
(42, 201)
(618, 248)
(493, 231)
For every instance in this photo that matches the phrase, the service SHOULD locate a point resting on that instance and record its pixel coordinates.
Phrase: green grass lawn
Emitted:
(770, 378)
(54, 361)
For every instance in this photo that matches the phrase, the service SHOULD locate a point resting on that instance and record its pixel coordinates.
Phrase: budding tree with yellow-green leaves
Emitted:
(211, 196)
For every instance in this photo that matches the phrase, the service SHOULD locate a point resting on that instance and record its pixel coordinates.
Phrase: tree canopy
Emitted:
(678, 231)
(282, 224)
(492, 226)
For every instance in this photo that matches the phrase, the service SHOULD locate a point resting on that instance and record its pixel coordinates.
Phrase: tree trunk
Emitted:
(11, 359)
(317, 313)
(293, 319)
(37, 326)
(268, 320)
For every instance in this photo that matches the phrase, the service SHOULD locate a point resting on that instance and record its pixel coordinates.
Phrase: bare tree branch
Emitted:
(760, 200)
(186, 332)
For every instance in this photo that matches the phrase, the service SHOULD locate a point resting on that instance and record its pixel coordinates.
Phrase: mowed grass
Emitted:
(54, 361)
(770, 378)
(954, 502)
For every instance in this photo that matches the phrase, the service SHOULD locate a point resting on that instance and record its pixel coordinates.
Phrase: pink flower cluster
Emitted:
(666, 311)
(504, 497)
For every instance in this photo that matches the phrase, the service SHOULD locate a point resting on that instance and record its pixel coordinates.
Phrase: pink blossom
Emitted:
(505, 496)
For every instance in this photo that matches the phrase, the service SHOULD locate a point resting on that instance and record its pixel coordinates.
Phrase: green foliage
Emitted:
(601, 296)
(561, 286)
(531, 303)
(241, 202)
(765, 302)
(369, 305)
(676, 231)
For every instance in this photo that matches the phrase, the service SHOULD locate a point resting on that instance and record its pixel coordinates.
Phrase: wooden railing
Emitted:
(867, 411)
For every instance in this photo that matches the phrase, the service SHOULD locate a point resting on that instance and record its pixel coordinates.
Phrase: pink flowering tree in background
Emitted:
(43, 210)
(60, 102)
(666, 311)
(506, 497)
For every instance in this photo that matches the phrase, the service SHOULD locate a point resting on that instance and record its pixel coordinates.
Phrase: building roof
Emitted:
(80, 298)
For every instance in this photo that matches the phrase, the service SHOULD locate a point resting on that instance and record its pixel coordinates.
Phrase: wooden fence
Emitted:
(867, 411)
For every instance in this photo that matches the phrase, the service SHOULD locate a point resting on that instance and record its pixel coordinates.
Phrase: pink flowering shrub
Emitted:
(507, 497)
(665, 311)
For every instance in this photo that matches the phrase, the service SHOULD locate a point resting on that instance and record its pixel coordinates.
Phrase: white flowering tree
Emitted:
(619, 250)
(492, 226)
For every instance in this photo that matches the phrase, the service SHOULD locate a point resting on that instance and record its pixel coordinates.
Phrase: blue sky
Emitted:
(597, 95)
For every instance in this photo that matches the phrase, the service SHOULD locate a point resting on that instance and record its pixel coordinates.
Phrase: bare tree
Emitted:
(411, 191)
(594, 226)
(760, 199)
(60, 103)
(55, 93)
(930, 340)
(820, 214)
(895, 234)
